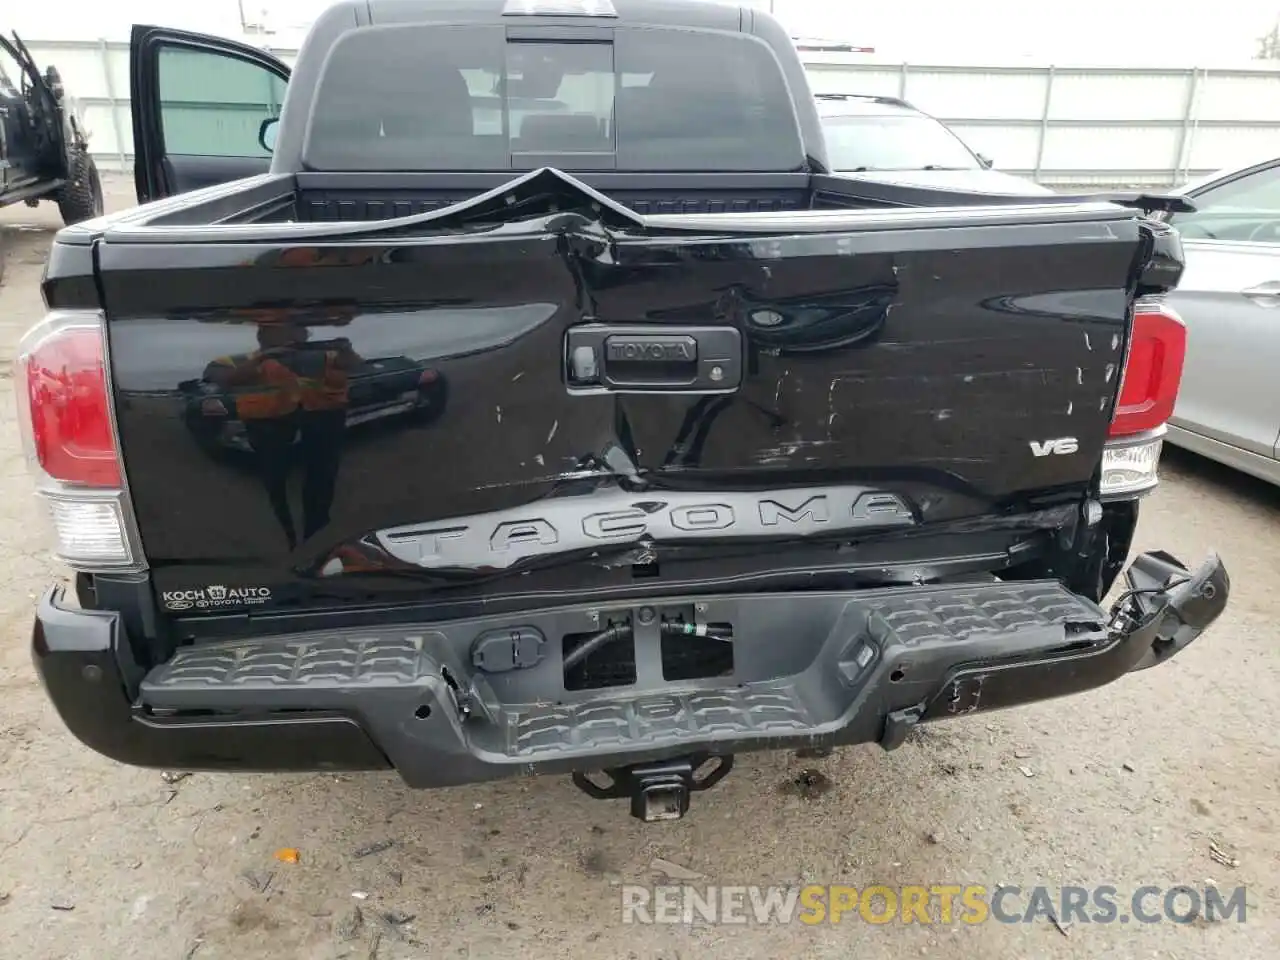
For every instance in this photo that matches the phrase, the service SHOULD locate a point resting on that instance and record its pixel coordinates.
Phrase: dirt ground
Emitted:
(1127, 786)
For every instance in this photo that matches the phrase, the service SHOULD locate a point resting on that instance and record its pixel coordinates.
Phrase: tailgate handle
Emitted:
(643, 358)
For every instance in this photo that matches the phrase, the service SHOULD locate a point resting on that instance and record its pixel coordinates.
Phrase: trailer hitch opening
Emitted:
(658, 791)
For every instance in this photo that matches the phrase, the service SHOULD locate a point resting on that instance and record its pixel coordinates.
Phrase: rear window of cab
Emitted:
(465, 97)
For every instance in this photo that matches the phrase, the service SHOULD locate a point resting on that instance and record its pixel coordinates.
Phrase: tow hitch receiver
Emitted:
(658, 791)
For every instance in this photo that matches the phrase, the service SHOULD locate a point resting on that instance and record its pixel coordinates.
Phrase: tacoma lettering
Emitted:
(815, 508)
(615, 516)
(711, 516)
(522, 532)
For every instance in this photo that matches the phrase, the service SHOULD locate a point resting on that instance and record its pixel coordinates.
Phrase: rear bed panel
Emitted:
(348, 205)
(930, 365)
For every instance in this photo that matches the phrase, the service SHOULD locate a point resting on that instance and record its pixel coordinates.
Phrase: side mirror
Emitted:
(985, 161)
(268, 130)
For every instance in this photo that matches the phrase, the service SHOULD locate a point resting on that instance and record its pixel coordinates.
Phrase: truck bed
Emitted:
(349, 198)
(360, 197)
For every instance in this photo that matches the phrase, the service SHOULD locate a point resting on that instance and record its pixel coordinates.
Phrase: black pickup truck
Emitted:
(738, 454)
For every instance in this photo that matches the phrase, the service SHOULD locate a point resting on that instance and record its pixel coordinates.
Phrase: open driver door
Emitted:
(204, 110)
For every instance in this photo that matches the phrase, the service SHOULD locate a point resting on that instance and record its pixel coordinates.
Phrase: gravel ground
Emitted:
(1126, 786)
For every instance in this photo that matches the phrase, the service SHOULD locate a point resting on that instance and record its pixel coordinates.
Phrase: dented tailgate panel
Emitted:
(946, 369)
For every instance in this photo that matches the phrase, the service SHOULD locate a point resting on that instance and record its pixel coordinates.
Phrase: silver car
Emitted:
(1229, 404)
(887, 140)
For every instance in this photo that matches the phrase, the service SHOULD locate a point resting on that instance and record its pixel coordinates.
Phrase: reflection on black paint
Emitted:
(835, 321)
(291, 398)
(1081, 306)
(814, 323)
(691, 439)
(287, 406)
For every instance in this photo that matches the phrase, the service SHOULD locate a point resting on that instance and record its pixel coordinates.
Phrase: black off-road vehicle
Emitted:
(44, 146)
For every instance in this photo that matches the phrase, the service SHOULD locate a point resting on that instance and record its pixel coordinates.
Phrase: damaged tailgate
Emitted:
(579, 379)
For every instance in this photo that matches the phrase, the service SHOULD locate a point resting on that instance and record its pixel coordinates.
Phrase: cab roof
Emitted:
(701, 14)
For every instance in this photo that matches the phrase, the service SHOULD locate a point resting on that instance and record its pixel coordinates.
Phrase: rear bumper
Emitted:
(811, 669)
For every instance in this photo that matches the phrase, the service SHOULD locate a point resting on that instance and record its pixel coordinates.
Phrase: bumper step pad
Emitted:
(871, 651)
(810, 670)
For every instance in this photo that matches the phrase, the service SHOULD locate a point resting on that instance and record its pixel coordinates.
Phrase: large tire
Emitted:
(81, 196)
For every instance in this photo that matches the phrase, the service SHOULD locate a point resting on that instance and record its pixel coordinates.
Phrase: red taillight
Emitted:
(69, 407)
(64, 411)
(428, 377)
(1152, 370)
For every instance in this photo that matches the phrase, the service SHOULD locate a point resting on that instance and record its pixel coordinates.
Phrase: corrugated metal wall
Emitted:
(1086, 124)
(1061, 125)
